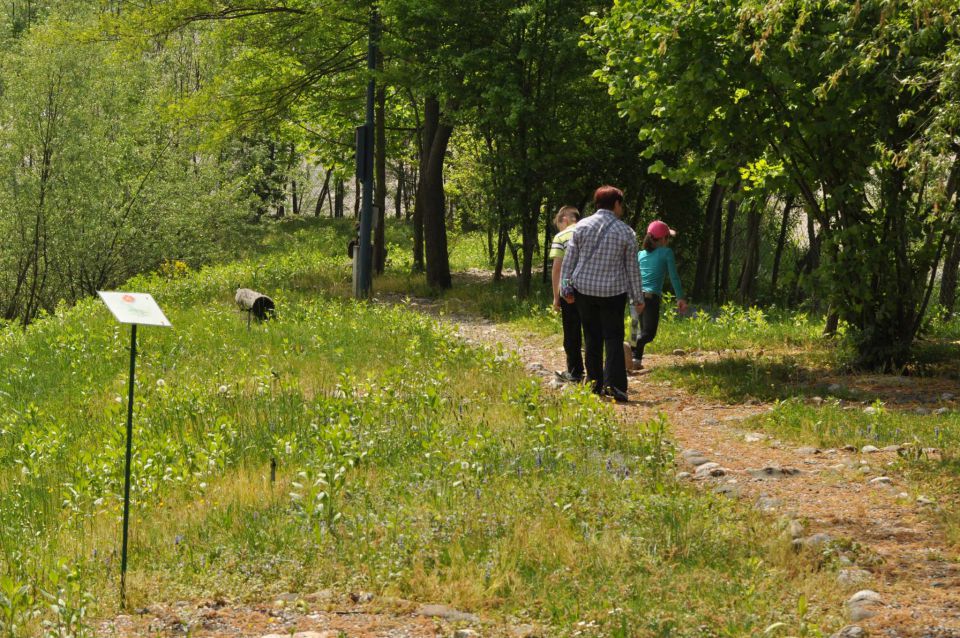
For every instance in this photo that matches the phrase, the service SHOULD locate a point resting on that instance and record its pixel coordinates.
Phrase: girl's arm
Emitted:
(674, 277)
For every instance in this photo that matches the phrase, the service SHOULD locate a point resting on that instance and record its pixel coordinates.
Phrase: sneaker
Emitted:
(566, 377)
(616, 394)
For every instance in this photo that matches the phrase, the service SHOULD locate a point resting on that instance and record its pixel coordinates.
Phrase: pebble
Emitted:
(891, 448)
(816, 541)
(853, 576)
(850, 631)
(773, 472)
(922, 411)
(361, 597)
(869, 449)
(446, 613)
(555, 384)
(730, 489)
(768, 503)
(710, 421)
(710, 469)
(881, 480)
(808, 450)
(683, 475)
(754, 437)
(465, 633)
(946, 396)
(848, 448)
(863, 604)
(679, 353)
(941, 411)
(923, 500)
(816, 400)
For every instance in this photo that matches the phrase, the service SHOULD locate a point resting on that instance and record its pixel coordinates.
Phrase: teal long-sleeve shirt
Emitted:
(654, 266)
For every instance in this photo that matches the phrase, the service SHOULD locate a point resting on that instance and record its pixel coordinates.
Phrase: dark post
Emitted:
(126, 474)
(365, 259)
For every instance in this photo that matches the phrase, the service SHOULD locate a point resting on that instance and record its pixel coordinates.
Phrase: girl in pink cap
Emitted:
(656, 260)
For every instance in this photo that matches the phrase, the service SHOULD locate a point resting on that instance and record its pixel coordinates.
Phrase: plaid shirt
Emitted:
(612, 269)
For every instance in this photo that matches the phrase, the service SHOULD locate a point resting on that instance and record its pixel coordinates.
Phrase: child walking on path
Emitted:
(565, 222)
(656, 260)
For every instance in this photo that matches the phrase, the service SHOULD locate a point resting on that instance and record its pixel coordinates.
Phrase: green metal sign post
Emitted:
(134, 309)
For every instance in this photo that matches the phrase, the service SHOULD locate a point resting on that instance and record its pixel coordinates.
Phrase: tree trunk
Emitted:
(732, 207)
(501, 253)
(781, 242)
(948, 281)
(547, 235)
(751, 264)
(398, 194)
(323, 192)
(701, 285)
(356, 196)
(340, 192)
(432, 193)
(380, 177)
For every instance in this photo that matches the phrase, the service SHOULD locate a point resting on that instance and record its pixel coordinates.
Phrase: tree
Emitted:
(861, 133)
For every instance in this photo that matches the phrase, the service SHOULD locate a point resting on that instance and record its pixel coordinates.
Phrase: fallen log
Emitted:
(258, 305)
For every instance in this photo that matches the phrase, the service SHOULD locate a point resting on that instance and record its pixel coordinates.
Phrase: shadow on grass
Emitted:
(739, 379)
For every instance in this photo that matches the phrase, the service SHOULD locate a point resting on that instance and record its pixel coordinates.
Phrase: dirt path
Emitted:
(897, 551)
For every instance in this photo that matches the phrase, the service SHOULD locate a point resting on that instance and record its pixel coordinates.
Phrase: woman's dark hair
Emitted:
(607, 196)
(650, 243)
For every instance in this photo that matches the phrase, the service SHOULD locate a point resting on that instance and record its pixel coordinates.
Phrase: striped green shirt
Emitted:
(560, 240)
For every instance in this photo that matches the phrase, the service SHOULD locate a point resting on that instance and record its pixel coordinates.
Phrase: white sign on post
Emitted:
(134, 308)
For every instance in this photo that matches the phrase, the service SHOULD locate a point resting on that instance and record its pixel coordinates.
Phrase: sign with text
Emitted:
(137, 308)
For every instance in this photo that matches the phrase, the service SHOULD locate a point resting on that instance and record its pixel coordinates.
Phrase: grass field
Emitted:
(407, 463)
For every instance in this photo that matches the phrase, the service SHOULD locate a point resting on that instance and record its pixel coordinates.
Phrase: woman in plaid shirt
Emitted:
(600, 271)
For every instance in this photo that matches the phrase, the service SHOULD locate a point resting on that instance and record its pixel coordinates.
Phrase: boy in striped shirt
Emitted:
(565, 222)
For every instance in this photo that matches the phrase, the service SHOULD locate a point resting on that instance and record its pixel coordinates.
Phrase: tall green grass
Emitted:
(407, 463)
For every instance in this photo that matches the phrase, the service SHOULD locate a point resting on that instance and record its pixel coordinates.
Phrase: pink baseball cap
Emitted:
(659, 230)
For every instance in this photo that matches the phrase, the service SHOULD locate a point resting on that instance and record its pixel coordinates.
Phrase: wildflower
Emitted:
(161, 383)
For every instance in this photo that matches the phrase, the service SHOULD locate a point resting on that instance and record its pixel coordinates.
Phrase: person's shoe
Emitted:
(616, 394)
(637, 364)
(566, 377)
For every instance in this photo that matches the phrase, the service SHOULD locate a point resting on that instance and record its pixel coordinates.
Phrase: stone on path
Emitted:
(683, 475)
(694, 457)
(754, 437)
(864, 604)
(709, 469)
(881, 480)
(768, 503)
(446, 613)
(853, 576)
(729, 489)
(465, 633)
(816, 541)
(773, 472)
(891, 448)
(850, 631)
(941, 411)
(922, 411)
(808, 451)
(869, 449)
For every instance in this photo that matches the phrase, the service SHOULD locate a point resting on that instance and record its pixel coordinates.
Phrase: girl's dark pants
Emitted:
(602, 319)
(649, 322)
(572, 338)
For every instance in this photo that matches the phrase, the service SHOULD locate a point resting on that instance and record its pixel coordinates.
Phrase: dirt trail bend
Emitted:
(829, 495)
